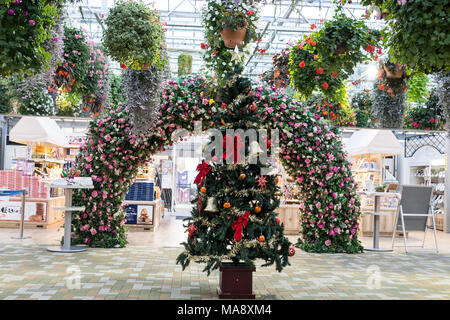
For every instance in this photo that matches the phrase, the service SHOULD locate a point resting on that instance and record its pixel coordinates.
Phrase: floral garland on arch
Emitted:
(311, 152)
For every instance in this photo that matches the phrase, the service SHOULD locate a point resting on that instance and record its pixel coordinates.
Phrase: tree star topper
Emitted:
(236, 55)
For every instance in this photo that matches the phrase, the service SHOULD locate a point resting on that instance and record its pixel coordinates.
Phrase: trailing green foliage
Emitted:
(362, 104)
(116, 90)
(418, 33)
(326, 58)
(417, 88)
(5, 104)
(184, 64)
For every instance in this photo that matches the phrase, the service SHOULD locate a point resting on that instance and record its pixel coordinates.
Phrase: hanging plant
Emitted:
(26, 25)
(134, 35)
(95, 87)
(418, 33)
(184, 64)
(5, 104)
(326, 58)
(362, 104)
(37, 103)
(389, 97)
(234, 16)
(116, 90)
(417, 88)
(339, 114)
(143, 93)
(279, 75)
(68, 104)
(428, 116)
(71, 73)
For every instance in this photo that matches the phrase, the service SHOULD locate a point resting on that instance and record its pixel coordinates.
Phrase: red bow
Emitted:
(239, 224)
(237, 146)
(203, 169)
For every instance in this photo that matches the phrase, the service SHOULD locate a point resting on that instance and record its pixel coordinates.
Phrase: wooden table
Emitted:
(68, 208)
(376, 216)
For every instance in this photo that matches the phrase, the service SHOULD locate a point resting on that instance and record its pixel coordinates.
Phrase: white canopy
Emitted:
(38, 130)
(367, 141)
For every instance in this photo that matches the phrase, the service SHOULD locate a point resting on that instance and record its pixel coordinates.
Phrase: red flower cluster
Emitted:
(370, 48)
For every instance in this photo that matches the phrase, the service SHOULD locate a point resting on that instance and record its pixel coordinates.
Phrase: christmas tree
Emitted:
(233, 218)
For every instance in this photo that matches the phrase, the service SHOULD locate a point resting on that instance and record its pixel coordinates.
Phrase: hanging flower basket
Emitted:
(236, 281)
(232, 38)
(394, 74)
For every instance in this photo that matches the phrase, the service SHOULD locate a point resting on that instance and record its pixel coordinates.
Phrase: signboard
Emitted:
(131, 213)
(34, 211)
(139, 214)
(76, 140)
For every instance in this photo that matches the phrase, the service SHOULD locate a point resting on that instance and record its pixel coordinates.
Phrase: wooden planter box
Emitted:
(236, 281)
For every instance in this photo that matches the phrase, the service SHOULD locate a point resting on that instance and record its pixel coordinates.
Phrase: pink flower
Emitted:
(11, 11)
(32, 22)
(93, 231)
(328, 243)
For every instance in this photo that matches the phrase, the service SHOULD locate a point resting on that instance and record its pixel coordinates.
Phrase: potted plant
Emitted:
(380, 188)
(389, 97)
(326, 58)
(134, 35)
(235, 21)
(227, 24)
(393, 71)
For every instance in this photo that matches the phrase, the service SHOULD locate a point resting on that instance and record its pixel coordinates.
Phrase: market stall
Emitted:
(33, 171)
(371, 153)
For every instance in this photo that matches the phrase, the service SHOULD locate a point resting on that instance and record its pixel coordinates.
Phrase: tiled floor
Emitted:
(146, 269)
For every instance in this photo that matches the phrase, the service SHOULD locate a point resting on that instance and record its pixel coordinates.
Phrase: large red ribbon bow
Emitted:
(203, 169)
(239, 224)
(237, 146)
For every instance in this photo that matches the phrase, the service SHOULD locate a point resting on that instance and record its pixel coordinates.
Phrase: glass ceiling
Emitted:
(280, 24)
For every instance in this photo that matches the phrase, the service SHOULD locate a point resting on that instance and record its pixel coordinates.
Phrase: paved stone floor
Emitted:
(146, 269)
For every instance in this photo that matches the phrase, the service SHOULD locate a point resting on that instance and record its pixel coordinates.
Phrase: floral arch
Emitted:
(311, 152)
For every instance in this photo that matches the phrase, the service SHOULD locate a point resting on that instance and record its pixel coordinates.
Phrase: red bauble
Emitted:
(191, 230)
(278, 220)
(253, 107)
(291, 251)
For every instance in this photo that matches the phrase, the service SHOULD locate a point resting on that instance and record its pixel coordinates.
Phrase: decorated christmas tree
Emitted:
(233, 218)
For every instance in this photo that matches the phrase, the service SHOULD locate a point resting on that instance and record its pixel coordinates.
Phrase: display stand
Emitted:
(22, 208)
(68, 208)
